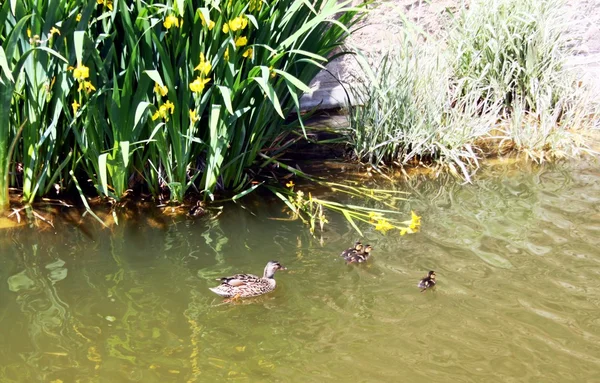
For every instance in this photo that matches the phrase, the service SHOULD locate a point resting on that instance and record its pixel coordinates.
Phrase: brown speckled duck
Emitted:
(248, 285)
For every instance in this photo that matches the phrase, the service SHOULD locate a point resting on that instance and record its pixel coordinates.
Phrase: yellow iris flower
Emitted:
(383, 226)
(169, 105)
(238, 23)
(108, 3)
(81, 72)
(164, 110)
(204, 66)
(88, 86)
(248, 53)
(241, 41)
(171, 21)
(415, 221)
(197, 86)
(162, 90)
(211, 24)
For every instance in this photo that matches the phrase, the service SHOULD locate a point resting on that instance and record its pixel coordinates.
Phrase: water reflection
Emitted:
(517, 297)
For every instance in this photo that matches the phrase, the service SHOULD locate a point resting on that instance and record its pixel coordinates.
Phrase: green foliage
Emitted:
(498, 81)
(510, 49)
(406, 111)
(166, 96)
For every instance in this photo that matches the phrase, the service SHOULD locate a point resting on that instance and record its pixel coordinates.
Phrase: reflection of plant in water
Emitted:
(94, 356)
(193, 311)
(42, 312)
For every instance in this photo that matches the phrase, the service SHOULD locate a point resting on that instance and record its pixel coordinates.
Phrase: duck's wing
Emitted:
(238, 279)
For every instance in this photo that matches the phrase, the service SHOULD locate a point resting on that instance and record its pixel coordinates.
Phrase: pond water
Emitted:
(518, 297)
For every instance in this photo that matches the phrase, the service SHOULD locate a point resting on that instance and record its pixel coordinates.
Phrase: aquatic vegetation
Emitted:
(514, 53)
(405, 112)
(311, 210)
(496, 82)
(159, 97)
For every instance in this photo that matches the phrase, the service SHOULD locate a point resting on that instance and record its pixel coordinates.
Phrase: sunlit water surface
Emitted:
(518, 297)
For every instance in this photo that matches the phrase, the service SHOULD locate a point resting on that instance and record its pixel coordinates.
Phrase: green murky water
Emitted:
(518, 298)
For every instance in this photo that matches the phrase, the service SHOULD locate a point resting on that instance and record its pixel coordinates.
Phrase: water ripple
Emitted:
(517, 297)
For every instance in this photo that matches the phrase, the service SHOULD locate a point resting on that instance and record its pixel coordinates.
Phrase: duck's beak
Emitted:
(282, 268)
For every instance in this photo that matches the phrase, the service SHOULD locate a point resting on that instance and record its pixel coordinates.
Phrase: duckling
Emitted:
(352, 250)
(360, 256)
(427, 282)
(248, 285)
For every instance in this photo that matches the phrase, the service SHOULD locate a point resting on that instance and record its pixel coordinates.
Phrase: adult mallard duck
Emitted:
(360, 256)
(346, 254)
(248, 285)
(428, 281)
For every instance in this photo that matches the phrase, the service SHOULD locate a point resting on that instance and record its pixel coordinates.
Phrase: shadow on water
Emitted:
(517, 298)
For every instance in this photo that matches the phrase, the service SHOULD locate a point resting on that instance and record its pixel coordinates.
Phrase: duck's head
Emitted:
(272, 267)
(358, 246)
(431, 274)
(368, 249)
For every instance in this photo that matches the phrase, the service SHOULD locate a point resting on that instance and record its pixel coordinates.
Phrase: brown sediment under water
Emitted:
(518, 295)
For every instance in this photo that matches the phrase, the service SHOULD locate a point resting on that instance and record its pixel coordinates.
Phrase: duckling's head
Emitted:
(431, 274)
(368, 249)
(358, 246)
